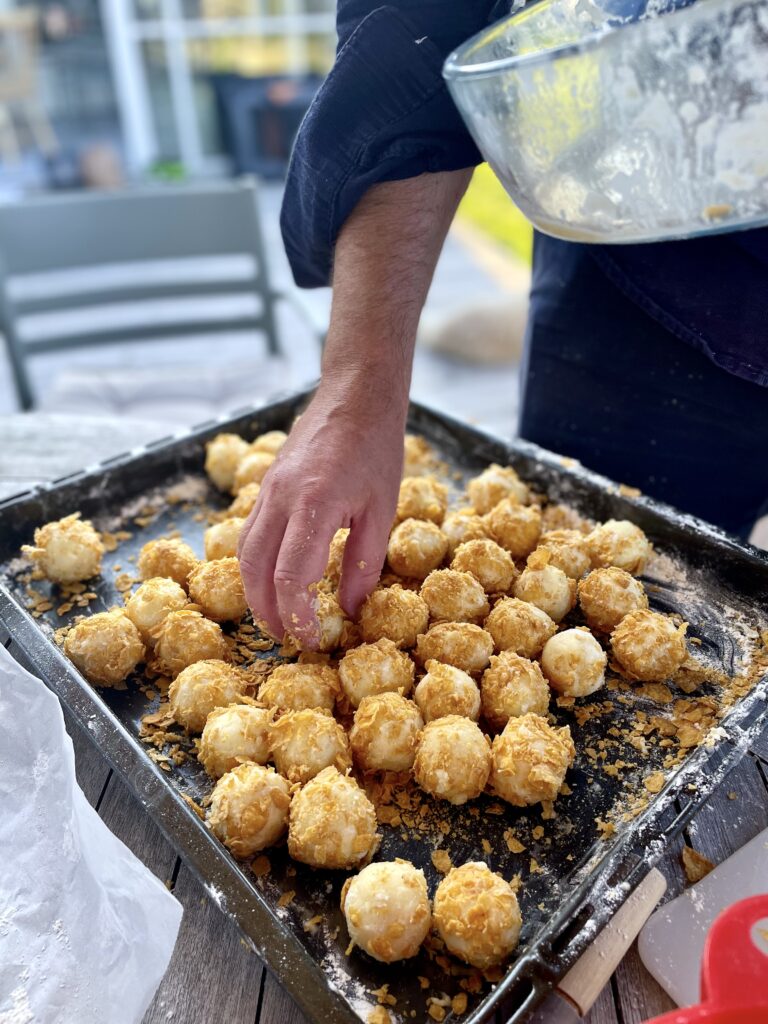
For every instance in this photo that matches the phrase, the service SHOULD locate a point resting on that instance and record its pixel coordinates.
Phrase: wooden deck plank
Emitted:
(724, 824)
(277, 1007)
(123, 815)
(604, 1009)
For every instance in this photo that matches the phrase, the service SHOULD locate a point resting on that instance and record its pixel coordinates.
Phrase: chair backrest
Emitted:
(94, 268)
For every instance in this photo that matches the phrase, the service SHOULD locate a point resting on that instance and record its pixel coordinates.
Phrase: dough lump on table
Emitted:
(385, 733)
(606, 595)
(488, 562)
(649, 646)
(496, 483)
(387, 910)
(249, 809)
(106, 647)
(67, 551)
(152, 601)
(217, 588)
(519, 626)
(185, 637)
(422, 497)
(462, 644)
(447, 690)
(293, 686)
(454, 596)
(574, 663)
(515, 527)
(568, 550)
(233, 735)
(200, 688)
(169, 557)
(453, 759)
(529, 760)
(304, 742)
(512, 686)
(547, 587)
(464, 525)
(375, 668)
(619, 542)
(416, 547)
(222, 455)
(395, 614)
(332, 823)
(220, 540)
(477, 916)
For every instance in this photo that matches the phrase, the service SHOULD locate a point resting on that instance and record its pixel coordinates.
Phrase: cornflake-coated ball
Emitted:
(495, 484)
(217, 588)
(336, 555)
(574, 663)
(184, 637)
(375, 668)
(519, 626)
(249, 809)
(243, 504)
(568, 550)
(619, 542)
(106, 647)
(294, 686)
(271, 442)
(200, 688)
(462, 526)
(488, 562)
(387, 911)
(330, 621)
(515, 527)
(67, 551)
(454, 596)
(453, 759)
(167, 557)
(477, 915)
(416, 547)
(649, 646)
(422, 497)
(529, 760)
(393, 613)
(447, 690)
(607, 595)
(222, 455)
(305, 742)
(151, 602)
(512, 686)
(418, 456)
(220, 540)
(332, 823)
(251, 469)
(461, 644)
(233, 735)
(547, 587)
(385, 733)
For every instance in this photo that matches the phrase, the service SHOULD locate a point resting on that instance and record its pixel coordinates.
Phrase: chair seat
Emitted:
(174, 394)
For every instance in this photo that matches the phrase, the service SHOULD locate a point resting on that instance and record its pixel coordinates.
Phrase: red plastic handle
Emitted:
(734, 968)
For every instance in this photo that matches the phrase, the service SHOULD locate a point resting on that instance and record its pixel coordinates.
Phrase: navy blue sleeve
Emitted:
(382, 114)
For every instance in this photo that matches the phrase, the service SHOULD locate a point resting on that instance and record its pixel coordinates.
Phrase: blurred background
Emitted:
(107, 307)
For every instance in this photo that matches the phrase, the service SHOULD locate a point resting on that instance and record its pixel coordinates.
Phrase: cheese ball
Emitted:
(453, 759)
(519, 626)
(512, 686)
(488, 562)
(574, 663)
(217, 588)
(336, 555)
(332, 823)
(454, 596)
(568, 550)
(416, 547)
(375, 668)
(387, 911)
(184, 637)
(66, 551)
(418, 456)
(271, 442)
(462, 644)
(495, 484)
(201, 687)
(251, 469)
(106, 647)
(304, 742)
(330, 621)
(529, 760)
(222, 456)
(619, 542)
(548, 588)
(294, 686)
(385, 733)
(649, 646)
(395, 614)
(477, 915)
(150, 603)
(220, 540)
(167, 557)
(463, 526)
(243, 504)
(233, 735)
(249, 809)
(447, 690)
(422, 497)
(515, 527)
(607, 595)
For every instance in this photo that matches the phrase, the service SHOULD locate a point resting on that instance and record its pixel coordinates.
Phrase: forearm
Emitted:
(385, 258)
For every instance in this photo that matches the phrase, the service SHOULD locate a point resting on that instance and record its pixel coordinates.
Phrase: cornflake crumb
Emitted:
(383, 996)
(379, 1015)
(441, 861)
(459, 1003)
(654, 782)
(261, 866)
(695, 864)
(733, 795)
(286, 898)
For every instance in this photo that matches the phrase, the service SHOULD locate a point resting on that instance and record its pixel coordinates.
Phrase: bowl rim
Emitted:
(455, 70)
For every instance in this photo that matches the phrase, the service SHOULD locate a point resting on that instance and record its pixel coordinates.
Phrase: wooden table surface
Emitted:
(213, 978)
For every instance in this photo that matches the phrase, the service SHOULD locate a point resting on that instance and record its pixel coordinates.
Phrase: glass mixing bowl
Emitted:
(608, 126)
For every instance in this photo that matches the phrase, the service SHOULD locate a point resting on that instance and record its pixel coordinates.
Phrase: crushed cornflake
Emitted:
(695, 864)
(441, 861)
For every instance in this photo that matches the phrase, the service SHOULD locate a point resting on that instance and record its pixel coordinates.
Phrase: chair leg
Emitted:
(9, 144)
(21, 379)
(40, 127)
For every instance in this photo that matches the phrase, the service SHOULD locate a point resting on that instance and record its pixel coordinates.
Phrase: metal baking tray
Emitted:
(572, 880)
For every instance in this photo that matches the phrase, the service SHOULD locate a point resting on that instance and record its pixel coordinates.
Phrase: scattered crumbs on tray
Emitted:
(286, 898)
(261, 866)
(441, 861)
(379, 1015)
(695, 864)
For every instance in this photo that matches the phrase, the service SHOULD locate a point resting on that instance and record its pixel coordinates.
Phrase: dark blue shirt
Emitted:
(384, 114)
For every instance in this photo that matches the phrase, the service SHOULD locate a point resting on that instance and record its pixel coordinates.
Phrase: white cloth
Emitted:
(86, 931)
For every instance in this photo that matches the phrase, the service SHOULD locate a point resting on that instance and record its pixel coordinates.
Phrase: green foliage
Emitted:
(487, 207)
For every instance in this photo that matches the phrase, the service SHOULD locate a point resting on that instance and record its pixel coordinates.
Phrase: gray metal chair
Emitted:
(147, 252)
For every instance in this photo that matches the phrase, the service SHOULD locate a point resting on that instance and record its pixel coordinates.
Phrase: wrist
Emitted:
(373, 393)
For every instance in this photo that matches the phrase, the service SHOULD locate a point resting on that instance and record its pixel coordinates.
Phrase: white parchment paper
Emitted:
(86, 931)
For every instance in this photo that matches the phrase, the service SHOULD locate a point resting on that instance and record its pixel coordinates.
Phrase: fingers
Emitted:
(258, 550)
(364, 555)
(301, 562)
